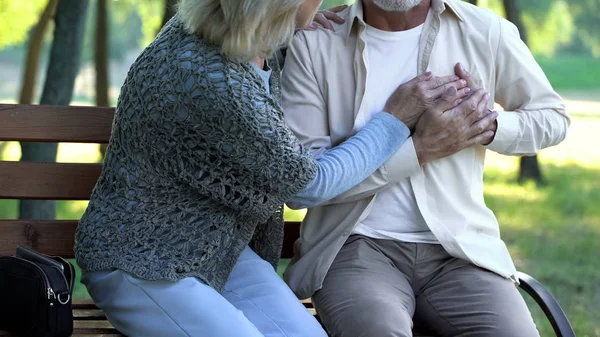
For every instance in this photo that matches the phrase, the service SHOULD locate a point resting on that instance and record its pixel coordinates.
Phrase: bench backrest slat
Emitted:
(56, 237)
(47, 181)
(53, 237)
(45, 123)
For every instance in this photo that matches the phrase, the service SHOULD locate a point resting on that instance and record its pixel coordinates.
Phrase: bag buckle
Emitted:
(65, 301)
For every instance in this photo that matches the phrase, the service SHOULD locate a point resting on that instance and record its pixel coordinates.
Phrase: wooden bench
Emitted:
(61, 181)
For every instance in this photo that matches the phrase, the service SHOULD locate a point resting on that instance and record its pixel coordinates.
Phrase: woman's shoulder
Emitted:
(176, 54)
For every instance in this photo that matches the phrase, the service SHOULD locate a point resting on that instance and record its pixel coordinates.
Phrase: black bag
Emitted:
(35, 294)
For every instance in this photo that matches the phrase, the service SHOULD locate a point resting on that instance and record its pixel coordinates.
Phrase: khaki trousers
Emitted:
(381, 288)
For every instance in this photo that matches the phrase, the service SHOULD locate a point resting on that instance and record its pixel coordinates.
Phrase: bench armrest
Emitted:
(549, 305)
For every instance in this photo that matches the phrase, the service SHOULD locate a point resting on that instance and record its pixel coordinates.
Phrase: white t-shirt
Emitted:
(391, 60)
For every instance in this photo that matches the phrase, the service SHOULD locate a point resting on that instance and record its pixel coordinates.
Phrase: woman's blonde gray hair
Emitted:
(244, 29)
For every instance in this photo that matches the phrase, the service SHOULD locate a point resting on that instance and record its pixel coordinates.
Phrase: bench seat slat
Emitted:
(93, 327)
(88, 314)
(84, 303)
(46, 123)
(97, 335)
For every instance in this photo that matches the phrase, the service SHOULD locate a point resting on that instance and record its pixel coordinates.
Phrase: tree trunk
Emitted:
(101, 58)
(101, 54)
(34, 49)
(170, 10)
(513, 14)
(529, 167)
(63, 67)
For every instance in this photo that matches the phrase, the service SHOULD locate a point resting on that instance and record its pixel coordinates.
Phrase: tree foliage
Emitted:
(549, 32)
(17, 18)
(332, 3)
(586, 15)
(149, 12)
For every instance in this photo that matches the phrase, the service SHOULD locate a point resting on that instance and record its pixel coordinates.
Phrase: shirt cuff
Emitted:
(403, 163)
(506, 133)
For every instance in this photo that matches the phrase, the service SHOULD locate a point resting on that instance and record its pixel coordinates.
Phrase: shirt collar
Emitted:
(437, 6)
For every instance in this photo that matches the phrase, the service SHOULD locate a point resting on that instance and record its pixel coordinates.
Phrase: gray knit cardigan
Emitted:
(198, 167)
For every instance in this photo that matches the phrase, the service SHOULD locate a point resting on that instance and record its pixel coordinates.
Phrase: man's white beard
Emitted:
(396, 5)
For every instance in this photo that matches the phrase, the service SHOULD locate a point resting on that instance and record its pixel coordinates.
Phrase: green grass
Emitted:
(572, 72)
(553, 231)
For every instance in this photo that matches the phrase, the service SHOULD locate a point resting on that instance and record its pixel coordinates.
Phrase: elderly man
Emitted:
(414, 243)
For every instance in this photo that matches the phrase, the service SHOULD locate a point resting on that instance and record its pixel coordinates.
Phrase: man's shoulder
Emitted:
(480, 20)
(469, 11)
(321, 35)
(474, 16)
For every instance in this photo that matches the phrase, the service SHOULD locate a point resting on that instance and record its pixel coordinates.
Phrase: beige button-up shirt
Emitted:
(324, 81)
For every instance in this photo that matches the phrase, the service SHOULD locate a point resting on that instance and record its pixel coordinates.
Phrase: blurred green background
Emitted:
(552, 229)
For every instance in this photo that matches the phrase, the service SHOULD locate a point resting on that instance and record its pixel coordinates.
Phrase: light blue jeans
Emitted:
(254, 303)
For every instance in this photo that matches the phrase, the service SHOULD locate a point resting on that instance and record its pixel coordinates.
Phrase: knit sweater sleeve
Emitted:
(346, 165)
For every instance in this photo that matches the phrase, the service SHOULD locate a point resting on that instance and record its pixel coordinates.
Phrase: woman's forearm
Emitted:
(349, 163)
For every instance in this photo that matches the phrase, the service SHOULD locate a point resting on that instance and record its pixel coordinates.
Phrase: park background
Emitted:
(550, 219)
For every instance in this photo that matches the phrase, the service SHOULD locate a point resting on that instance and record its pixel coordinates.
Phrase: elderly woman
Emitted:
(184, 228)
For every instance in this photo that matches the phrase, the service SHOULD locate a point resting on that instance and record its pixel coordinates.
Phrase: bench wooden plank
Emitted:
(52, 237)
(93, 327)
(47, 181)
(88, 304)
(45, 123)
(78, 333)
(83, 303)
(97, 335)
(88, 314)
(56, 237)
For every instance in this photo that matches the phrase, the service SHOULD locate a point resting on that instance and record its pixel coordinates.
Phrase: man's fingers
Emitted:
(338, 9)
(480, 138)
(436, 82)
(492, 126)
(459, 85)
(468, 108)
(464, 91)
(420, 78)
(481, 110)
(332, 16)
(483, 124)
(461, 72)
(448, 100)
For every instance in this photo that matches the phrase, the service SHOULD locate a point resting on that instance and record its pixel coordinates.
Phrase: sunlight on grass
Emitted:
(67, 152)
(78, 153)
(507, 191)
(10, 151)
(294, 215)
(70, 210)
